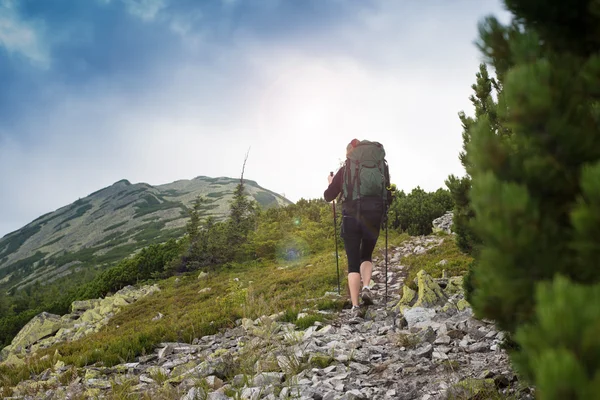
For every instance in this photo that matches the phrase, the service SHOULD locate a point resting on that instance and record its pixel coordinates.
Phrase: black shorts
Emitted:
(360, 237)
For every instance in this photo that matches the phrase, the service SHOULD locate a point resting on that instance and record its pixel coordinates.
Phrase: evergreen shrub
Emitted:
(414, 212)
(533, 160)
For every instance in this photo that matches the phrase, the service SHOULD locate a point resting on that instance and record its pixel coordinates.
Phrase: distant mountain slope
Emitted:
(112, 223)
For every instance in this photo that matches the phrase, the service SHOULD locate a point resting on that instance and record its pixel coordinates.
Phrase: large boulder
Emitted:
(408, 298)
(91, 316)
(430, 293)
(88, 316)
(443, 223)
(40, 326)
(13, 361)
(430, 297)
(118, 300)
(83, 305)
(455, 285)
(418, 316)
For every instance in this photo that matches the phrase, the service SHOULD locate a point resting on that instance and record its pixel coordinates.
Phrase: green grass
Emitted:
(457, 262)
(260, 290)
(247, 290)
(321, 360)
(395, 239)
(290, 315)
(472, 388)
(330, 304)
(308, 321)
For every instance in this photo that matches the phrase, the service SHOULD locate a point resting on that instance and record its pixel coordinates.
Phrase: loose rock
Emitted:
(335, 360)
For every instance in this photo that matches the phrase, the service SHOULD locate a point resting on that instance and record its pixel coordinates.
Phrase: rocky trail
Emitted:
(425, 345)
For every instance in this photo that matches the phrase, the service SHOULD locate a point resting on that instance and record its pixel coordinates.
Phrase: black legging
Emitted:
(360, 237)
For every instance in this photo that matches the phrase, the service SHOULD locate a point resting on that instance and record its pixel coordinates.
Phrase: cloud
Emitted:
(184, 88)
(147, 10)
(313, 107)
(389, 73)
(230, 3)
(22, 37)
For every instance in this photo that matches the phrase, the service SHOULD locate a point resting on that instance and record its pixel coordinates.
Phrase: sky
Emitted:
(95, 91)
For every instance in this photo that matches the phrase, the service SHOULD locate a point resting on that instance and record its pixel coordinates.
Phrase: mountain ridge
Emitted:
(112, 223)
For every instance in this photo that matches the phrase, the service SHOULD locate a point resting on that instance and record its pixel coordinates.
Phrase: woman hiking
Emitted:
(363, 186)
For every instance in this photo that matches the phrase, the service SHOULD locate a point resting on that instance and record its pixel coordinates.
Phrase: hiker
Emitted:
(364, 196)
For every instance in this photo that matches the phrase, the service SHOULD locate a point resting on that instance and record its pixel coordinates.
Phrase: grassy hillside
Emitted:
(258, 261)
(110, 224)
(239, 290)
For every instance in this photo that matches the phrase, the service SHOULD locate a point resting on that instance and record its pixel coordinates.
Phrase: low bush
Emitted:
(414, 212)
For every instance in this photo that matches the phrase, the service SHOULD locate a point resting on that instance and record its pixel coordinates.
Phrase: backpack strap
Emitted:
(357, 181)
(347, 182)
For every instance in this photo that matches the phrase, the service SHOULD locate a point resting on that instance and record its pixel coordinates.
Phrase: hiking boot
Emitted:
(366, 296)
(355, 315)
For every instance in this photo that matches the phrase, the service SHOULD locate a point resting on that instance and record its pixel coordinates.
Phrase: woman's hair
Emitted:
(353, 143)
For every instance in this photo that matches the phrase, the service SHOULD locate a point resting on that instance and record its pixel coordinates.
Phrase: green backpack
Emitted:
(365, 173)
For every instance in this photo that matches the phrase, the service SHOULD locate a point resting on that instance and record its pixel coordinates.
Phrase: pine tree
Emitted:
(560, 352)
(193, 226)
(485, 91)
(526, 184)
(196, 252)
(536, 190)
(4, 304)
(460, 187)
(242, 217)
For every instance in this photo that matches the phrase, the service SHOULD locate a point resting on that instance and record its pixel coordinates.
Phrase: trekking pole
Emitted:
(386, 262)
(337, 262)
